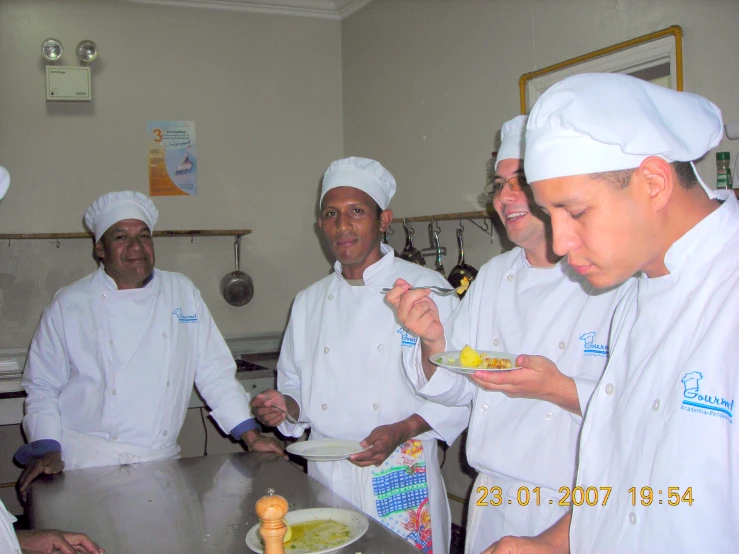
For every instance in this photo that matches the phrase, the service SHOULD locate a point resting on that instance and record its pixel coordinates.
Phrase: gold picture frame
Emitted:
(666, 53)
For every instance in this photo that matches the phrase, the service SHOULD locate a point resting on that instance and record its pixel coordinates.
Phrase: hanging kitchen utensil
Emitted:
(438, 266)
(410, 253)
(237, 287)
(461, 271)
(383, 237)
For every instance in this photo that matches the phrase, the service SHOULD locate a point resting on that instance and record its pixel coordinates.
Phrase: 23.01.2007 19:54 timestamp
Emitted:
(579, 496)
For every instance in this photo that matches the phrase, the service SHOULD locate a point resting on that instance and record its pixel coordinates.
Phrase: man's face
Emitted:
(607, 233)
(523, 227)
(127, 252)
(352, 229)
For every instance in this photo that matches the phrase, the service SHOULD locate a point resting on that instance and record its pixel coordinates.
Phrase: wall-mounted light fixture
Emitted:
(51, 49)
(71, 83)
(87, 51)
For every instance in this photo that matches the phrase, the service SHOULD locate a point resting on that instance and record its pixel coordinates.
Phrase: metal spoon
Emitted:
(438, 290)
(289, 418)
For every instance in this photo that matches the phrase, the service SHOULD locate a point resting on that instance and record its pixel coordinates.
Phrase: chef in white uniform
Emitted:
(112, 365)
(340, 370)
(37, 540)
(525, 423)
(609, 156)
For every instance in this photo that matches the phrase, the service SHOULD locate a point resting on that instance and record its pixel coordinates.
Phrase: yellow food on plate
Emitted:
(469, 357)
(289, 534)
(495, 363)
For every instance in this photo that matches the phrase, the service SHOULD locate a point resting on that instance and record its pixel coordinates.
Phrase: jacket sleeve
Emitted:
(215, 375)
(447, 409)
(45, 375)
(445, 387)
(288, 379)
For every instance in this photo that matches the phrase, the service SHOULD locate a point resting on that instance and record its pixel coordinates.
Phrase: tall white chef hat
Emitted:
(113, 207)
(512, 140)
(363, 174)
(598, 122)
(4, 181)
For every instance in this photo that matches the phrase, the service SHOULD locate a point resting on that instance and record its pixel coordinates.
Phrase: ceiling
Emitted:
(325, 9)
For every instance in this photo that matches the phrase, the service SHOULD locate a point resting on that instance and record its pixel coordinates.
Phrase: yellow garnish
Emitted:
(463, 286)
(469, 357)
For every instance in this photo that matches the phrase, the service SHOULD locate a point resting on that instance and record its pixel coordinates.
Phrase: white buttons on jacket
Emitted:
(610, 388)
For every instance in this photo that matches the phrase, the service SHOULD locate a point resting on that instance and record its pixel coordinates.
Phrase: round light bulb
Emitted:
(51, 49)
(87, 51)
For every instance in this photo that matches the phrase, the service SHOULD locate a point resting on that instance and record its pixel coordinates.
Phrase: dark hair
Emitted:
(621, 179)
(379, 210)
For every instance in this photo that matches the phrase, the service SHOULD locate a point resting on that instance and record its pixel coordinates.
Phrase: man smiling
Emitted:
(112, 365)
(610, 158)
(340, 369)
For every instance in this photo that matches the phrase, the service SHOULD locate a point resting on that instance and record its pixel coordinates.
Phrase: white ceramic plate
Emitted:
(325, 450)
(356, 522)
(450, 361)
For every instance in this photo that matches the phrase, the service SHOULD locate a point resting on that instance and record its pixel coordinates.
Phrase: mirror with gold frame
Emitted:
(656, 57)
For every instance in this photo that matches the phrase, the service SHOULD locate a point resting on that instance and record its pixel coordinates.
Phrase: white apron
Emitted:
(396, 493)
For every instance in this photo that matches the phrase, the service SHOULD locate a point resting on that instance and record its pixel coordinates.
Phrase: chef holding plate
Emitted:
(526, 421)
(340, 370)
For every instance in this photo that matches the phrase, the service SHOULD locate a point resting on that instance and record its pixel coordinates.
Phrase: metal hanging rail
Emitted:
(175, 233)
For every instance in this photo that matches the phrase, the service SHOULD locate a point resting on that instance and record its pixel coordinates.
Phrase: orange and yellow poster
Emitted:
(172, 159)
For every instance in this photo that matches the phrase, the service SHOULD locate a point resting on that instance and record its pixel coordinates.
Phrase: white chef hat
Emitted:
(363, 174)
(512, 140)
(598, 122)
(4, 181)
(113, 207)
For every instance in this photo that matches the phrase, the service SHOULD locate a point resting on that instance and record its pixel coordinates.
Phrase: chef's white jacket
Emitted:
(341, 360)
(662, 415)
(8, 539)
(516, 308)
(110, 372)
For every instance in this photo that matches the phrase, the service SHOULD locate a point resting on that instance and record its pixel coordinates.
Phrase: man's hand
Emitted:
(416, 311)
(257, 442)
(383, 440)
(49, 463)
(48, 541)
(420, 315)
(555, 540)
(538, 377)
(519, 545)
(380, 443)
(271, 407)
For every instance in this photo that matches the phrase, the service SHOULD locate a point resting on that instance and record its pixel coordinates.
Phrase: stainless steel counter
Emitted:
(193, 505)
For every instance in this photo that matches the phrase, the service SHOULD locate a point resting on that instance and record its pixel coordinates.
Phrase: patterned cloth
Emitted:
(402, 496)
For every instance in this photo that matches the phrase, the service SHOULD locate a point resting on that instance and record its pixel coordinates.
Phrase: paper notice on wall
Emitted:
(173, 168)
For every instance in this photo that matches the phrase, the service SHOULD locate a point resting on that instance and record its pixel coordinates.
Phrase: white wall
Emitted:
(428, 83)
(265, 94)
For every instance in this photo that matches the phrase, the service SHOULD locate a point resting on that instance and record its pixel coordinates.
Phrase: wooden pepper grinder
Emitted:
(271, 509)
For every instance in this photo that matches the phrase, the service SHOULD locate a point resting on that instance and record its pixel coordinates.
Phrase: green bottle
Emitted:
(723, 172)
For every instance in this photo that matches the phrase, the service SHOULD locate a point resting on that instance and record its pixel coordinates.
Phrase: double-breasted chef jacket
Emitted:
(520, 442)
(661, 419)
(341, 361)
(110, 372)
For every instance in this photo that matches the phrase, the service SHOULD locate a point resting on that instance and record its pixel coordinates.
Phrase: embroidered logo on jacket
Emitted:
(591, 348)
(705, 404)
(406, 339)
(185, 318)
